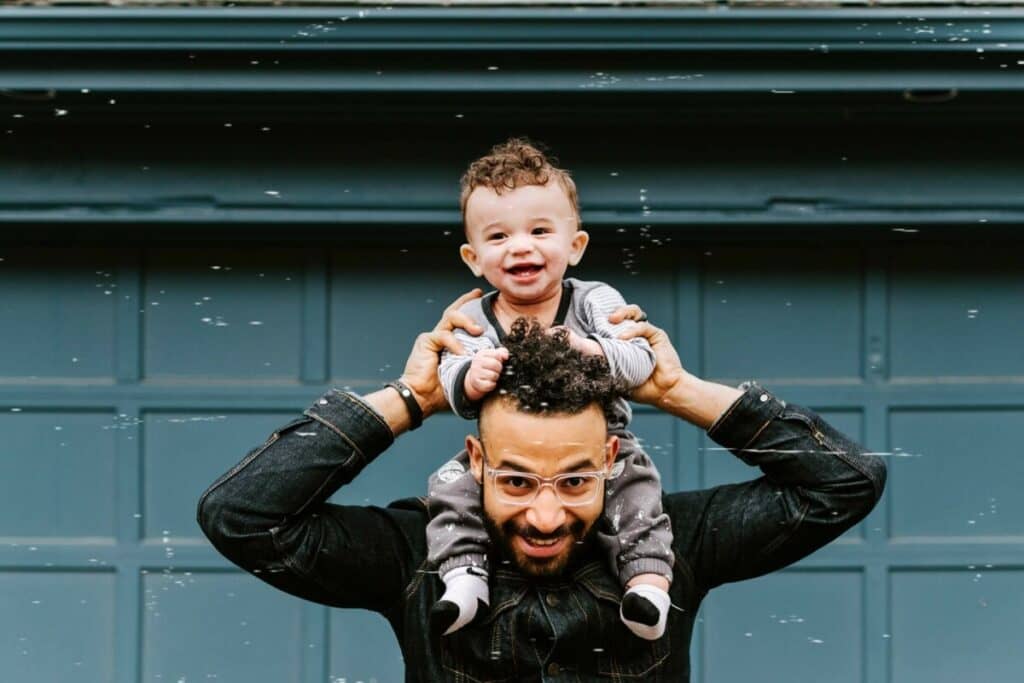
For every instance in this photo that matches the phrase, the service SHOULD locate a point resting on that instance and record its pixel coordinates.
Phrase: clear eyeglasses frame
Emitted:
(572, 489)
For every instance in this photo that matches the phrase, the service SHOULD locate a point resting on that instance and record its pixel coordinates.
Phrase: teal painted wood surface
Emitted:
(169, 182)
(193, 248)
(108, 578)
(727, 29)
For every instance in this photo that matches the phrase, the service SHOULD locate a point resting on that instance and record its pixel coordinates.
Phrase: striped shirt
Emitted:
(584, 309)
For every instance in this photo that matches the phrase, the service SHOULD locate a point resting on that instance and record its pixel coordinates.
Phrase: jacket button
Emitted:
(764, 397)
(554, 669)
(552, 600)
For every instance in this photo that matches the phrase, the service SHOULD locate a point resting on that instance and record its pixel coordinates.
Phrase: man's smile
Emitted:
(548, 551)
(538, 548)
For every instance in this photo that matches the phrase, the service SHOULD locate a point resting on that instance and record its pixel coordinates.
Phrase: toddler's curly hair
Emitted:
(514, 163)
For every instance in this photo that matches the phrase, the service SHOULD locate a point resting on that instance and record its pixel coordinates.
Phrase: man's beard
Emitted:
(547, 567)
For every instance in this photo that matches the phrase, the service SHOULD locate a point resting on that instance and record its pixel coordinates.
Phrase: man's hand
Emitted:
(420, 373)
(484, 371)
(670, 387)
(668, 369)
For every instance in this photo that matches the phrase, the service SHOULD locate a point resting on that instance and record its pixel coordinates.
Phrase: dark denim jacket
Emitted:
(269, 516)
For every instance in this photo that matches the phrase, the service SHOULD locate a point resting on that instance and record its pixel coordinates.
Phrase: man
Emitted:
(554, 606)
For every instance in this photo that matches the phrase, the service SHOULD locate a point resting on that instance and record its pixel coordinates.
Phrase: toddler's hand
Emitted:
(484, 371)
(588, 347)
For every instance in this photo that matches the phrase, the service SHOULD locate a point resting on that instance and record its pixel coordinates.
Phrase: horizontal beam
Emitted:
(507, 63)
(585, 52)
(485, 29)
(840, 183)
(406, 222)
(922, 84)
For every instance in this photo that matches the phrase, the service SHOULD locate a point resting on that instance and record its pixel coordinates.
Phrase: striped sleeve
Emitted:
(630, 360)
(453, 368)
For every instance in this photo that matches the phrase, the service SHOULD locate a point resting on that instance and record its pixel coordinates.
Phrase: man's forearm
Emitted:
(298, 468)
(817, 483)
(390, 406)
(269, 513)
(698, 401)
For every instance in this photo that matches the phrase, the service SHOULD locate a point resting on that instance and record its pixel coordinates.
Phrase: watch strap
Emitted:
(415, 412)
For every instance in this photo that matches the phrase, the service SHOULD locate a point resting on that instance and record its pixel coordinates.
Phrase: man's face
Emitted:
(523, 240)
(540, 537)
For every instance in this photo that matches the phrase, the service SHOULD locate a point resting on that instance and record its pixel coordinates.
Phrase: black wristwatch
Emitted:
(415, 412)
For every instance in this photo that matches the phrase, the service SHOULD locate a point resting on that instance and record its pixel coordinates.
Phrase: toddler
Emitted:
(522, 231)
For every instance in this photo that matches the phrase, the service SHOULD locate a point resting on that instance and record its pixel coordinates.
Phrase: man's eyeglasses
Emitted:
(522, 488)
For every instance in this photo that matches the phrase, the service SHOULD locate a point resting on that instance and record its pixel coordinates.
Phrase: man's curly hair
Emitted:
(515, 163)
(544, 374)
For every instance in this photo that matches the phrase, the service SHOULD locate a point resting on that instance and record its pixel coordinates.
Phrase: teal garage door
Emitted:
(131, 377)
(211, 216)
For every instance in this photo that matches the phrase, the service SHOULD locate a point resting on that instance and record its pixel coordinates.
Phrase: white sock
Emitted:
(660, 600)
(464, 586)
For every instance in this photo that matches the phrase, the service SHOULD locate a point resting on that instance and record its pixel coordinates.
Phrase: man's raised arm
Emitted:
(816, 482)
(269, 514)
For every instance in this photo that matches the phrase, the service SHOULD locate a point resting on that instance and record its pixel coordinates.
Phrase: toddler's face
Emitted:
(523, 240)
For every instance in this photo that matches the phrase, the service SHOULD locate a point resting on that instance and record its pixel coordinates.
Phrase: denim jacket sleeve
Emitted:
(269, 515)
(816, 484)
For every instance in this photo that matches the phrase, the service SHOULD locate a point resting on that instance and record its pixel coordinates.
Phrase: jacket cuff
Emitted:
(355, 421)
(746, 418)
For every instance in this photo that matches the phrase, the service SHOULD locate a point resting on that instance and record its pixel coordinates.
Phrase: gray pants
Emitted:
(636, 534)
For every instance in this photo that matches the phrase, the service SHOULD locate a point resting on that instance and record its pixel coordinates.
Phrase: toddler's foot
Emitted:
(644, 611)
(466, 595)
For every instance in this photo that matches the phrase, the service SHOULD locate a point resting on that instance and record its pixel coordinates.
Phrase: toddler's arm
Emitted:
(453, 371)
(629, 361)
